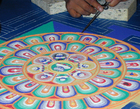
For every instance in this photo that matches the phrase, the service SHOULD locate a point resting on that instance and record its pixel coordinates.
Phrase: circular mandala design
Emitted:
(68, 70)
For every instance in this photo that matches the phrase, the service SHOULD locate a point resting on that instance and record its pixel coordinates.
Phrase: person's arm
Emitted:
(76, 8)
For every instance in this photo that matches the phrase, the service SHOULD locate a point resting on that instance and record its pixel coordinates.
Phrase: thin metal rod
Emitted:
(96, 15)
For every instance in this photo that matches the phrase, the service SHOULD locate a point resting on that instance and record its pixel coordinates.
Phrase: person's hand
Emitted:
(114, 2)
(76, 8)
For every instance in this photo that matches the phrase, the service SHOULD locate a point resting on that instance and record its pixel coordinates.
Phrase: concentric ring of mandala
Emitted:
(36, 84)
(131, 54)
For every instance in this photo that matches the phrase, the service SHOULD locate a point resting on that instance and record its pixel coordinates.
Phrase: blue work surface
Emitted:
(20, 18)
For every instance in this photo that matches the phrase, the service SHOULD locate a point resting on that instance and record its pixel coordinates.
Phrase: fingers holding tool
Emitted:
(76, 8)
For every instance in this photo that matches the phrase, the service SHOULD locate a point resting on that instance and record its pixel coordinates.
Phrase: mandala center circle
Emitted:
(61, 67)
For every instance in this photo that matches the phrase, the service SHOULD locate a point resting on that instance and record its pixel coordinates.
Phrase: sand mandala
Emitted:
(68, 71)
